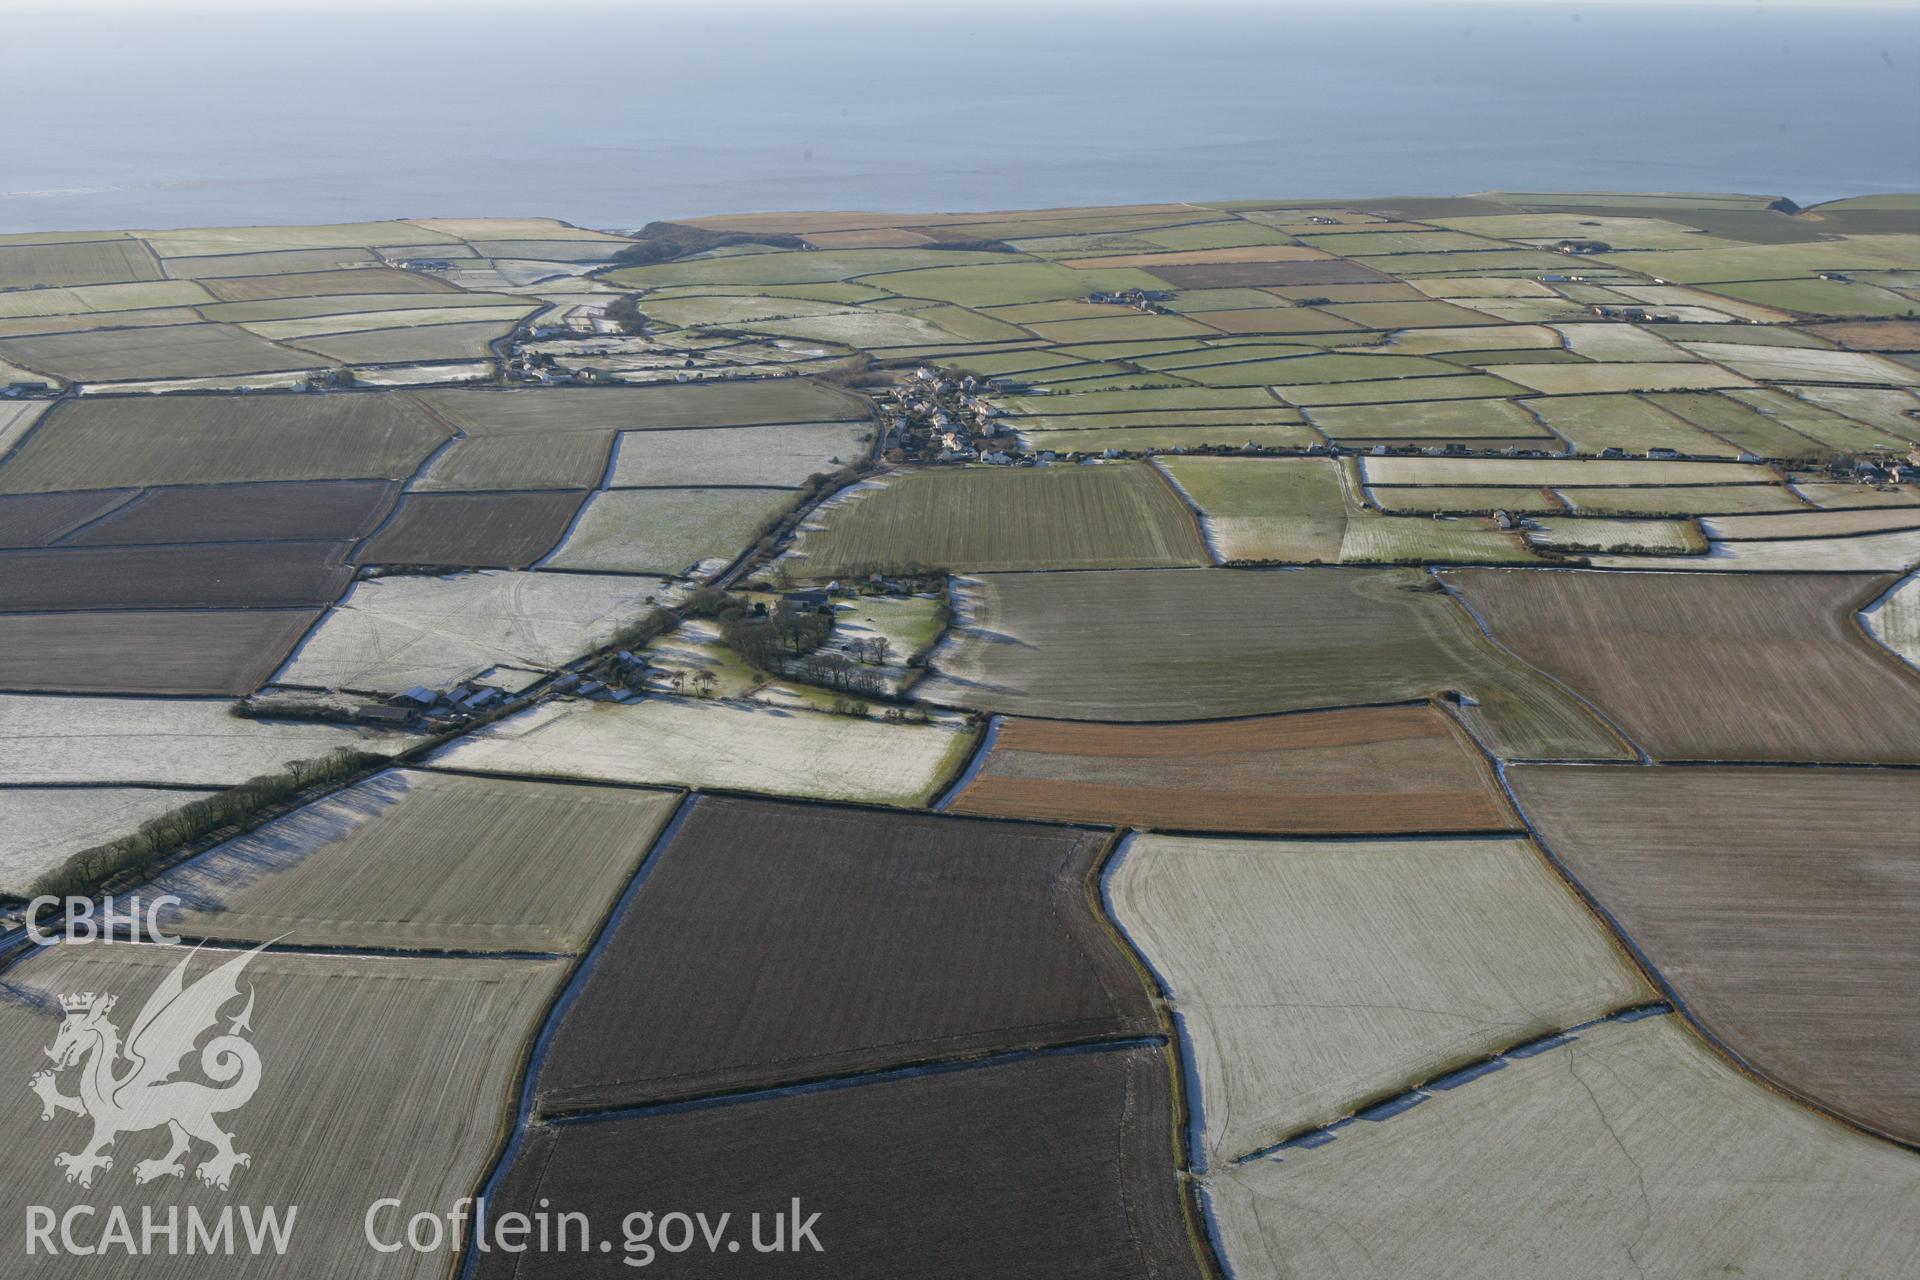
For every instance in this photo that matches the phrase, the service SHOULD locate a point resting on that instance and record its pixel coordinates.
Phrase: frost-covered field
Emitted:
(53, 738)
(1814, 365)
(395, 632)
(777, 455)
(699, 743)
(45, 826)
(667, 531)
(1632, 1150)
(424, 860)
(1889, 552)
(1311, 977)
(1894, 619)
(378, 1077)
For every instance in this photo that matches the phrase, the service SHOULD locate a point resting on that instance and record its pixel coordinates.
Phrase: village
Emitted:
(936, 416)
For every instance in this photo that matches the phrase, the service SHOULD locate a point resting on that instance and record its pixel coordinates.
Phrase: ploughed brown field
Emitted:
(1368, 770)
(528, 460)
(1781, 904)
(1059, 1166)
(1872, 335)
(325, 510)
(178, 651)
(1692, 666)
(216, 576)
(485, 530)
(774, 943)
(37, 519)
(701, 404)
(136, 441)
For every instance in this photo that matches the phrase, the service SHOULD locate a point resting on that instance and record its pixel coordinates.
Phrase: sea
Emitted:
(611, 115)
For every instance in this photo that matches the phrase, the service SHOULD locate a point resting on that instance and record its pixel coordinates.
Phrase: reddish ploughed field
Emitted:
(1372, 770)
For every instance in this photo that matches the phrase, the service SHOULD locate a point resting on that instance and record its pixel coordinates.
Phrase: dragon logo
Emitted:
(130, 1087)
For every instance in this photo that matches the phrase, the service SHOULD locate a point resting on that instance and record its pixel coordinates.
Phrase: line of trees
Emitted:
(157, 837)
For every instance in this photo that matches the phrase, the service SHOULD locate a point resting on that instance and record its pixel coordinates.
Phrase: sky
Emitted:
(625, 112)
(578, 7)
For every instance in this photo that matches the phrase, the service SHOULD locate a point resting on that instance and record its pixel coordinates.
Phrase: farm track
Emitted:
(1486, 633)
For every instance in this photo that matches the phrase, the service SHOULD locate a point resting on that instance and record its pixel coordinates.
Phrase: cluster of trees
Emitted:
(665, 241)
(970, 244)
(767, 640)
(840, 673)
(625, 312)
(702, 681)
(873, 649)
(88, 871)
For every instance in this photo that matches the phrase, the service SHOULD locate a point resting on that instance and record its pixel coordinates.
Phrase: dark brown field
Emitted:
(1782, 904)
(1376, 770)
(35, 520)
(162, 351)
(187, 651)
(27, 266)
(715, 404)
(1234, 275)
(232, 575)
(340, 510)
(1058, 1167)
(530, 459)
(1731, 666)
(775, 943)
(485, 530)
(310, 284)
(137, 441)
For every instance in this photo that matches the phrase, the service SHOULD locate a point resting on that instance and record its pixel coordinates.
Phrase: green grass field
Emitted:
(1120, 515)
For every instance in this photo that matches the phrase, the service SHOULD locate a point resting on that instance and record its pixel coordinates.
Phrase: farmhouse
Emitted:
(810, 598)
